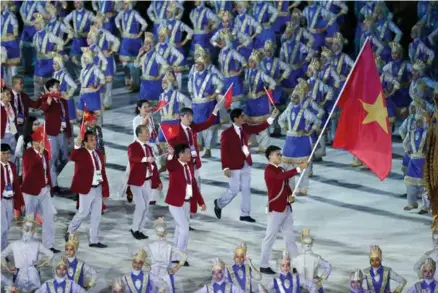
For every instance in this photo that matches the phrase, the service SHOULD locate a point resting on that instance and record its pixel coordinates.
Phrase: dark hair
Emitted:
(17, 77)
(139, 129)
(235, 113)
(139, 105)
(270, 150)
(185, 111)
(87, 134)
(180, 148)
(51, 82)
(28, 130)
(5, 147)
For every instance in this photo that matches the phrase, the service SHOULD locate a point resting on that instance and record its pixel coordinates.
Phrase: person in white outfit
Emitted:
(161, 252)
(26, 253)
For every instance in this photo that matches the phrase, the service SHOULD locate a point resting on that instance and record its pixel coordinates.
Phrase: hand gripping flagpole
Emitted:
(328, 119)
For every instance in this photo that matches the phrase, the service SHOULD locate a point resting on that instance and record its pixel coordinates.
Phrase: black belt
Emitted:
(95, 186)
(148, 178)
(8, 198)
(187, 200)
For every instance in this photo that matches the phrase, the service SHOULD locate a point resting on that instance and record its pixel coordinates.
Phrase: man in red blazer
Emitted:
(182, 190)
(90, 182)
(279, 206)
(58, 127)
(21, 102)
(236, 162)
(11, 196)
(143, 176)
(36, 186)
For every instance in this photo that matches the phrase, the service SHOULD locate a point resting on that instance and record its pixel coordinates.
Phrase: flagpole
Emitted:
(328, 119)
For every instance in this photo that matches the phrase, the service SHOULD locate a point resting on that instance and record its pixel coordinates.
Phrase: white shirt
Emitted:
(43, 159)
(189, 189)
(145, 158)
(97, 175)
(11, 176)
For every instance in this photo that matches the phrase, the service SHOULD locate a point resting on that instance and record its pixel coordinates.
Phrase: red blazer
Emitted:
(84, 171)
(138, 169)
(177, 184)
(18, 196)
(277, 181)
(4, 121)
(33, 172)
(53, 116)
(27, 103)
(232, 156)
(196, 128)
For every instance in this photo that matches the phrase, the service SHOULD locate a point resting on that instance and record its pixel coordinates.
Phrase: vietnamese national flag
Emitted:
(84, 119)
(228, 97)
(363, 127)
(161, 105)
(270, 96)
(170, 131)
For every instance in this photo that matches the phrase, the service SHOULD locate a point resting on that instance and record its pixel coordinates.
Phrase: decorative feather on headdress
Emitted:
(396, 47)
(256, 56)
(140, 255)
(306, 238)
(240, 249)
(285, 257)
(375, 252)
(73, 240)
(429, 263)
(39, 18)
(218, 265)
(149, 37)
(357, 275)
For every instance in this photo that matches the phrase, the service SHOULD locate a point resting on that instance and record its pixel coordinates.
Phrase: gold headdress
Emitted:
(29, 222)
(285, 257)
(160, 224)
(429, 263)
(396, 47)
(171, 7)
(289, 27)
(225, 15)
(301, 88)
(87, 53)
(242, 3)
(315, 65)
(39, 18)
(99, 18)
(375, 252)
(255, 56)
(419, 65)
(140, 255)
(218, 265)
(241, 249)
(73, 240)
(338, 38)
(51, 9)
(296, 13)
(306, 238)
(163, 31)
(357, 275)
(199, 51)
(202, 59)
(269, 46)
(149, 37)
(326, 52)
(92, 34)
(62, 262)
(369, 20)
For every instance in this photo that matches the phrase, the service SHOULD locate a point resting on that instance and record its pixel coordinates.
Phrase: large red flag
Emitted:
(170, 131)
(161, 104)
(363, 127)
(229, 97)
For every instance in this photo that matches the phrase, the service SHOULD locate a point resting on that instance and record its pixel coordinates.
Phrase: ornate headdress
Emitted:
(315, 65)
(92, 34)
(87, 53)
(326, 52)
(242, 3)
(369, 20)
(296, 13)
(357, 275)
(225, 15)
(375, 252)
(61, 262)
(99, 18)
(118, 285)
(160, 224)
(396, 47)
(73, 240)
(338, 38)
(29, 222)
(300, 89)
(285, 257)
(199, 51)
(240, 249)
(39, 18)
(51, 9)
(163, 31)
(171, 7)
(255, 56)
(419, 65)
(429, 263)
(149, 37)
(140, 255)
(306, 238)
(202, 59)
(218, 265)
(380, 7)
(269, 46)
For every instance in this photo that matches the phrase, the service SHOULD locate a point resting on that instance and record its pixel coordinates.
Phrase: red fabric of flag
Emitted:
(170, 131)
(364, 129)
(270, 96)
(228, 97)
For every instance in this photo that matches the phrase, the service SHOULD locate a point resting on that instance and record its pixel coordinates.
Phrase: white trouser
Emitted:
(42, 203)
(181, 215)
(141, 198)
(57, 143)
(178, 76)
(9, 138)
(7, 207)
(28, 279)
(124, 184)
(89, 204)
(108, 97)
(206, 137)
(321, 149)
(263, 139)
(276, 222)
(414, 192)
(239, 181)
(304, 184)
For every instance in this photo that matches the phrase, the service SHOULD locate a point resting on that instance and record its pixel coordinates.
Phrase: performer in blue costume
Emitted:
(318, 19)
(241, 274)
(246, 24)
(418, 49)
(369, 31)
(106, 9)
(131, 26)
(57, 27)
(221, 6)
(204, 22)
(265, 14)
(232, 64)
(356, 282)
(45, 43)
(378, 277)
(219, 282)
(283, 16)
(67, 86)
(427, 283)
(404, 130)
(157, 11)
(153, 66)
(385, 29)
(60, 282)
(9, 40)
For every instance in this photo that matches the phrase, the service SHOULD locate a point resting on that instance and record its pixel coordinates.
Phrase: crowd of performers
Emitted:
(257, 48)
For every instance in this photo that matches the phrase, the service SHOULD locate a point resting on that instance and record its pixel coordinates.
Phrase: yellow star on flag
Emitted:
(170, 131)
(376, 112)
